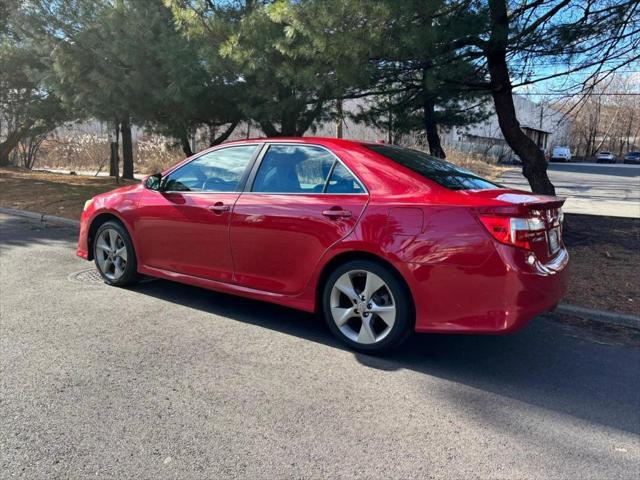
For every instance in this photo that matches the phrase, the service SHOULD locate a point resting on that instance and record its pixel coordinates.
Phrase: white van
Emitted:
(561, 154)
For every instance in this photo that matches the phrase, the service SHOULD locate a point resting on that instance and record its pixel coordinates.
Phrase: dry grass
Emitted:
(484, 166)
(51, 193)
(152, 154)
(90, 153)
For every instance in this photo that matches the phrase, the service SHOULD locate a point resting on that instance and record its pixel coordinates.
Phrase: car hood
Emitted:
(136, 187)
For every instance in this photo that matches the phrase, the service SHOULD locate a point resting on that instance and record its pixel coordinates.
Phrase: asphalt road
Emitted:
(591, 188)
(170, 381)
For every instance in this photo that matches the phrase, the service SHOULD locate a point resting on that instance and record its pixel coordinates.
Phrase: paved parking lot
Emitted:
(170, 381)
(591, 188)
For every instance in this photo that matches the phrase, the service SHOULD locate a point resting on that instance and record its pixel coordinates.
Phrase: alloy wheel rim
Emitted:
(362, 307)
(111, 253)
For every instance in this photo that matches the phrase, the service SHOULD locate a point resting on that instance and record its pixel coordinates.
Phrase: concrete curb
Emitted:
(601, 316)
(40, 216)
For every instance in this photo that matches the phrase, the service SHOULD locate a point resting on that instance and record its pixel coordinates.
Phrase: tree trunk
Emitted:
(390, 120)
(184, 142)
(269, 129)
(114, 160)
(12, 142)
(127, 149)
(534, 165)
(6, 148)
(217, 140)
(288, 126)
(340, 119)
(431, 129)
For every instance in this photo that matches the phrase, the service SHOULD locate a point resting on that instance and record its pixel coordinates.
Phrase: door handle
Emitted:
(219, 208)
(336, 213)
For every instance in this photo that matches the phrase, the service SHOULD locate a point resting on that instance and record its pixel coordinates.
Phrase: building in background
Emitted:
(547, 127)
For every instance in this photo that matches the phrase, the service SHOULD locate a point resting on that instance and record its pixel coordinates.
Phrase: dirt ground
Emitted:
(605, 251)
(52, 193)
(605, 262)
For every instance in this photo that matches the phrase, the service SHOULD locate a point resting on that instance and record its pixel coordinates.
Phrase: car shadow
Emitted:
(547, 364)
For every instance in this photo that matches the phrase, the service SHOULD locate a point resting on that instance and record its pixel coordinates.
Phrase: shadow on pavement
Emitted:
(20, 232)
(548, 364)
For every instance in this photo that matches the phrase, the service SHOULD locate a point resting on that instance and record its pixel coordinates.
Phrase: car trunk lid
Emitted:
(521, 219)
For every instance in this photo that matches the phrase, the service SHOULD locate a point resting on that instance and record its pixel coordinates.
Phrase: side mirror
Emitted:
(154, 182)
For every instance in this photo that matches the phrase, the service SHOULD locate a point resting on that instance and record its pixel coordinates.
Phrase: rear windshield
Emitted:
(444, 173)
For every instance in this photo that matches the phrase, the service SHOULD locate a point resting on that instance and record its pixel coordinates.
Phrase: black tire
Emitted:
(403, 325)
(130, 275)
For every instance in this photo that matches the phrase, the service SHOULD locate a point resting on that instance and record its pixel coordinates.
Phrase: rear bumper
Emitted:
(501, 296)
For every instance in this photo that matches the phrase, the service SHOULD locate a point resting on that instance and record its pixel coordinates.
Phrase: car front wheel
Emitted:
(367, 307)
(114, 255)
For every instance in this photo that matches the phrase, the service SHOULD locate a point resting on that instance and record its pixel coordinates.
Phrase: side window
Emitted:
(217, 171)
(342, 181)
(293, 169)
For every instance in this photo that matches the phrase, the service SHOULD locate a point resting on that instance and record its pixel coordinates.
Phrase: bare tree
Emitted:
(527, 42)
(608, 117)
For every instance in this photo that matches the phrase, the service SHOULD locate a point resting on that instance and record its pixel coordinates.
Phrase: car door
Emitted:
(302, 200)
(184, 228)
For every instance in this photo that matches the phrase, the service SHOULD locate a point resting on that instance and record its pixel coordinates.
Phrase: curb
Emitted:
(40, 216)
(601, 316)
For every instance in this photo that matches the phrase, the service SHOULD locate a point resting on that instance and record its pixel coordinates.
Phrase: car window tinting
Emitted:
(342, 181)
(444, 173)
(293, 169)
(217, 171)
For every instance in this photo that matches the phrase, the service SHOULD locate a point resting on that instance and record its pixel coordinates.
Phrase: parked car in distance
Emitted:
(632, 157)
(382, 240)
(560, 154)
(605, 157)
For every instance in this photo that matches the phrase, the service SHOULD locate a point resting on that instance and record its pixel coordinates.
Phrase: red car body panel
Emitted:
(178, 232)
(276, 247)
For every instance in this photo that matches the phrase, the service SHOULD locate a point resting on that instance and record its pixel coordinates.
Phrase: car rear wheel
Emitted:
(114, 255)
(367, 307)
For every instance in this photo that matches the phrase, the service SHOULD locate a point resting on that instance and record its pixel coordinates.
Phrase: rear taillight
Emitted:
(518, 232)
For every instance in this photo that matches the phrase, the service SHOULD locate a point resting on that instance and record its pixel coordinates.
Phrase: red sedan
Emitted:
(381, 239)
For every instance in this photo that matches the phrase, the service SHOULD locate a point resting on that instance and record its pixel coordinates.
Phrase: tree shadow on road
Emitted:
(548, 364)
(20, 232)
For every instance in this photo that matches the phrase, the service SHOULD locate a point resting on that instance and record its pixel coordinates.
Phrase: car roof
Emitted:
(326, 141)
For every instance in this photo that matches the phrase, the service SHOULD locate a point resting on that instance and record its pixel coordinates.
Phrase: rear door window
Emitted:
(342, 181)
(293, 169)
(443, 173)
